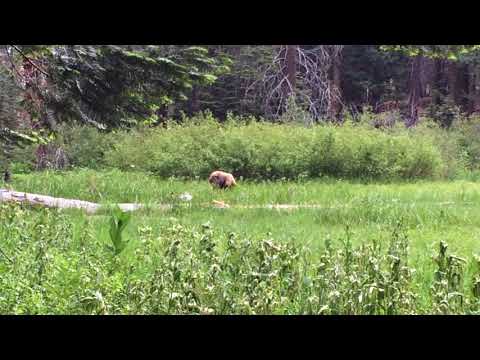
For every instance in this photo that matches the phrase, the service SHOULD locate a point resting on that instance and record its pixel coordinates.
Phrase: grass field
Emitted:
(425, 212)
(431, 211)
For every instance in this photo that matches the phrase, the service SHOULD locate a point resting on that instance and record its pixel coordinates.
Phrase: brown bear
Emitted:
(221, 179)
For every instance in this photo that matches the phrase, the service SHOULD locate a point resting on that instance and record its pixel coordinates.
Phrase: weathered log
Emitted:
(53, 202)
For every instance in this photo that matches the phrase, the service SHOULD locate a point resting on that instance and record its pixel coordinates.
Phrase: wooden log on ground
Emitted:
(53, 202)
(47, 201)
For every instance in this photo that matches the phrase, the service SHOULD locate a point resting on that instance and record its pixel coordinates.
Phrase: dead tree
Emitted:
(311, 76)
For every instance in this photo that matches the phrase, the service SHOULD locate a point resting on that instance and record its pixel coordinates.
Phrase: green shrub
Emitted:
(467, 133)
(272, 151)
(261, 150)
(84, 146)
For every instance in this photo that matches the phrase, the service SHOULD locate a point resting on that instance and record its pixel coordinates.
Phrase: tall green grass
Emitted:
(430, 211)
(114, 186)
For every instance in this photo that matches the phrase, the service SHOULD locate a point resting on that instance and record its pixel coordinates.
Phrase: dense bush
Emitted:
(49, 265)
(467, 132)
(83, 146)
(260, 150)
(454, 157)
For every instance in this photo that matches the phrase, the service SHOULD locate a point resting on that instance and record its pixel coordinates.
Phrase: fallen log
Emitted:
(53, 202)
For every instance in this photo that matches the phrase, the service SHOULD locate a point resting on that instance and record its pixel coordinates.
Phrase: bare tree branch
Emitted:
(29, 60)
(14, 67)
(315, 90)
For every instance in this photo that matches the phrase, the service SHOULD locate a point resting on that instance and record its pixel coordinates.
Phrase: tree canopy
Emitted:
(113, 85)
(451, 52)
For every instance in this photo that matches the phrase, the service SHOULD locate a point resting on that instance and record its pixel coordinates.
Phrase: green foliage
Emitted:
(236, 91)
(454, 157)
(467, 133)
(445, 114)
(8, 105)
(268, 151)
(51, 265)
(84, 145)
(452, 52)
(109, 85)
(448, 287)
(11, 134)
(118, 221)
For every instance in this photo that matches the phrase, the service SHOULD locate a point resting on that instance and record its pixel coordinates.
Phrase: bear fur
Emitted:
(222, 179)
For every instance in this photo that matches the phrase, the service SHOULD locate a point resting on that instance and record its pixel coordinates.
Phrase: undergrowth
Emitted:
(49, 265)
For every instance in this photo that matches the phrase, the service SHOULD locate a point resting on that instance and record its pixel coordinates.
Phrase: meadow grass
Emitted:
(429, 212)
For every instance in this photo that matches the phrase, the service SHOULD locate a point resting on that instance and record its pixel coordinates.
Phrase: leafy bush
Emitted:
(271, 151)
(85, 146)
(468, 138)
(259, 150)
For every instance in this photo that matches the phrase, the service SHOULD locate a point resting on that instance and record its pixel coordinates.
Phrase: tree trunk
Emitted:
(476, 93)
(426, 76)
(437, 83)
(415, 90)
(471, 88)
(463, 80)
(194, 103)
(335, 99)
(290, 69)
(452, 73)
(7, 176)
